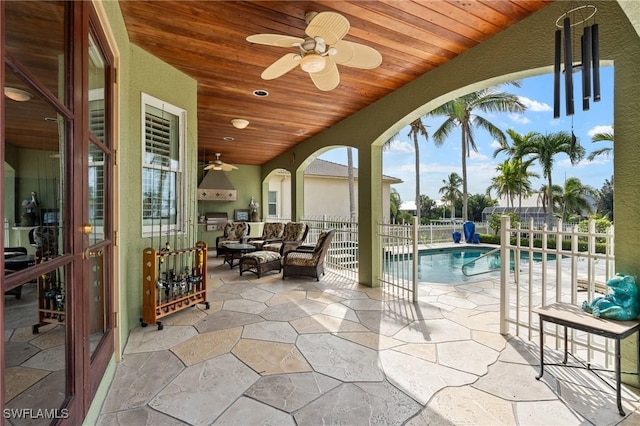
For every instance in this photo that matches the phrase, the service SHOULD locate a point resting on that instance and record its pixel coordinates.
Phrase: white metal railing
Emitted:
(554, 265)
(342, 256)
(399, 242)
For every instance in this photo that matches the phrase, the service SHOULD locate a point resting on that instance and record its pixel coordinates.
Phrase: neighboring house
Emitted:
(326, 188)
(528, 207)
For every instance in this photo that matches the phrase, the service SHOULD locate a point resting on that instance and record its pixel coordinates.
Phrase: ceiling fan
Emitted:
(217, 164)
(319, 51)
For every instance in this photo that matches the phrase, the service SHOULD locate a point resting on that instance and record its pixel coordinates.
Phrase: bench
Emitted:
(571, 316)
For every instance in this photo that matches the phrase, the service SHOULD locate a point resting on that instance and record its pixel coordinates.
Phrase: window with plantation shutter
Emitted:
(162, 169)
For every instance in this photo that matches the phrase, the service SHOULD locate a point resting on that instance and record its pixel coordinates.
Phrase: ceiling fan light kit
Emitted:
(320, 51)
(312, 62)
(218, 164)
(240, 123)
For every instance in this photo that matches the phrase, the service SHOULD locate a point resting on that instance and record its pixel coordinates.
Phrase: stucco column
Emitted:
(297, 193)
(626, 169)
(369, 213)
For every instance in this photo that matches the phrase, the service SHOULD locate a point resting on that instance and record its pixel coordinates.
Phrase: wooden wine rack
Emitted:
(160, 295)
(51, 301)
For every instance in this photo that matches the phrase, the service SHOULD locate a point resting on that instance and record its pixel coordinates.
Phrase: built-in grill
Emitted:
(215, 221)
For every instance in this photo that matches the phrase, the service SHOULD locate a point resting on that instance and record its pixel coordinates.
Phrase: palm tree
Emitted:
(459, 113)
(417, 128)
(601, 137)
(510, 181)
(576, 198)
(544, 149)
(451, 191)
(554, 202)
(395, 201)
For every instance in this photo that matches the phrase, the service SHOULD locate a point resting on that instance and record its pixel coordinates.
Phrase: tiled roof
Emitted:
(327, 168)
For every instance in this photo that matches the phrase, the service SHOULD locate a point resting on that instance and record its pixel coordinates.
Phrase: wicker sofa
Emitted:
(293, 236)
(272, 232)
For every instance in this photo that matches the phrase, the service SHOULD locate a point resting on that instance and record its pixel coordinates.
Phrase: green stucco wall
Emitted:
(141, 72)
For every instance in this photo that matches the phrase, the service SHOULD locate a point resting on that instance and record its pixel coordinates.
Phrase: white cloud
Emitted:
(477, 156)
(495, 144)
(402, 147)
(534, 106)
(600, 129)
(520, 119)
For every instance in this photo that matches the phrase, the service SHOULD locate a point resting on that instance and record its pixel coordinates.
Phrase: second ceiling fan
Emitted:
(218, 164)
(320, 51)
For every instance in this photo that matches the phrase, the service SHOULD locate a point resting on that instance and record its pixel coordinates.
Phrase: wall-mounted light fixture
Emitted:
(17, 94)
(240, 123)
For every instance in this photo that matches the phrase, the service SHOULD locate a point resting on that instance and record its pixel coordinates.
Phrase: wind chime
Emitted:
(567, 26)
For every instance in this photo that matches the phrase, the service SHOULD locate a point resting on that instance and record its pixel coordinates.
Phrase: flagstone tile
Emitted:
(243, 305)
(433, 331)
(246, 411)
(139, 377)
(338, 310)
(51, 359)
(507, 381)
(359, 404)
(225, 319)
(257, 295)
(371, 340)
(290, 392)
(340, 359)
(142, 416)
(15, 353)
(322, 297)
(366, 304)
(551, 413)
(425, 351)
(18, 379)
(320, 323)
(207, 345)
(418, 378)
(494, 341)
(286, 297)
(200, 393)
(293, 310)
(274, 331)
(184, 317)
(148, 339)
(50, 339)
(271, 357)
(471, 357)
(471, 406)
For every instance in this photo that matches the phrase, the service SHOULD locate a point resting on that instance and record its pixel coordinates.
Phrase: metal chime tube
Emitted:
(595, 56)
(568, 66)
(586, 62)
(556, 74)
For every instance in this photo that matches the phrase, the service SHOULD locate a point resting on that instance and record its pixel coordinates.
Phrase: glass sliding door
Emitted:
(56, 152)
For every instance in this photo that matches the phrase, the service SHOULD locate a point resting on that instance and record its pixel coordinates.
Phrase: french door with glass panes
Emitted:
(56, 154)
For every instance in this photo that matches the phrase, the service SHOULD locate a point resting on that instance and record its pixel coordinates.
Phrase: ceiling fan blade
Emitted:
(331, 26)
(209, 166)
(356, 55)
(281, 66)
(274, 40)
(228, 167)
(327, 79)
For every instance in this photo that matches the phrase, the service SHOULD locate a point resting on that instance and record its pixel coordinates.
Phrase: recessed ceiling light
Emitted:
(260, 93)
(228, 138)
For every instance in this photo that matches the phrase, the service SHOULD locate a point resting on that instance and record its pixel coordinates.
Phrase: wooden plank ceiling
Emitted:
(207, 40)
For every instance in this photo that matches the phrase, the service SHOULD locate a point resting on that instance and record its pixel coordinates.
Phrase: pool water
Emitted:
(444, 266)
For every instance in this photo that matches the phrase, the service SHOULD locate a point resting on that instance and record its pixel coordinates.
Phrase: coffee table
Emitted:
(235, 251)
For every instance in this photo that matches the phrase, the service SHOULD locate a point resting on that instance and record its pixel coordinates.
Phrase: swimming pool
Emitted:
(444, 266)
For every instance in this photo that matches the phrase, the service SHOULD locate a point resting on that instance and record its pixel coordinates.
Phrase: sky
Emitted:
(436, 163)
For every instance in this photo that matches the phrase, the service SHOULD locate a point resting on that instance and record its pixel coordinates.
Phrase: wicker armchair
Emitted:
(308, 263)
(234, 232)
(272, 232)
(294, 234)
